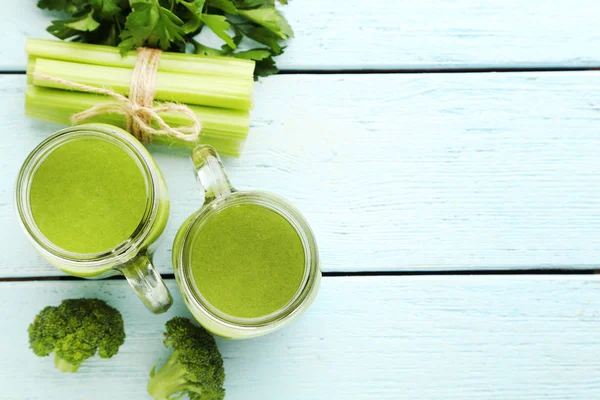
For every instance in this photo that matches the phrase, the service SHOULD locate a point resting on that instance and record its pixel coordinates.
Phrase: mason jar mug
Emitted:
(93, 202)
(246, 262)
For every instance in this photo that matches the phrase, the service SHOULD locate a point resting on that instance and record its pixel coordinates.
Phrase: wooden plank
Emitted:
(394, 172)
(428, 34)
(364, 338)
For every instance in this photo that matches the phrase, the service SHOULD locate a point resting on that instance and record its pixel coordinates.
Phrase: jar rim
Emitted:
(284, 209)
(36, 157)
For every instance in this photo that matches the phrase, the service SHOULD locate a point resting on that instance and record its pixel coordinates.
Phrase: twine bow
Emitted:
(138, 108)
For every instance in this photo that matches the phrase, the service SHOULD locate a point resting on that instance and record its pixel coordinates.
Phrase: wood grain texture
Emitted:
(462, 338)
(392, 34)
(394, 172)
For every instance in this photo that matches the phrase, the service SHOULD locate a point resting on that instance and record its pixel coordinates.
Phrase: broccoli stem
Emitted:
(170, 379)
(64, 365)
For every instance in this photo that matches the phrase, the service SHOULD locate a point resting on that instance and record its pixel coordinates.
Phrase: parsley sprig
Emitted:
(171, 24)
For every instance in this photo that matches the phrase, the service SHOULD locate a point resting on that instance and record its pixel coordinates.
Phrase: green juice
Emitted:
(247, 261)
(88, 196)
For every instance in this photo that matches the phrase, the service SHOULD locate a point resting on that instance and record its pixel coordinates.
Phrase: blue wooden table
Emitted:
(447, 155)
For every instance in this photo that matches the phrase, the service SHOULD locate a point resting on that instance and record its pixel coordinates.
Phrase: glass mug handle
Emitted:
(210, 172)
(147, 283)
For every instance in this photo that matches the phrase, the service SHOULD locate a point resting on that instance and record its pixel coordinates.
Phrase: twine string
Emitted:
(138, 108)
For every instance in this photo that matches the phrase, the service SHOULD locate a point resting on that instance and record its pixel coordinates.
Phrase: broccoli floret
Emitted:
(75, 331)
(195, 368)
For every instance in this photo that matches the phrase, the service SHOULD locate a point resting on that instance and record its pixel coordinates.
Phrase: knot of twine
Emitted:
(138, 108)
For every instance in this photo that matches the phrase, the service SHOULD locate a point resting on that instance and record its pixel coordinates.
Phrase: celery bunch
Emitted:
(217, 89)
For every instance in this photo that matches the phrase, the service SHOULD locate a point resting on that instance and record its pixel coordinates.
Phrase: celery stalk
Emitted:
(110, 56)
(224, 129)
(215, 121)
(214, 91)
(231, 147)
(30, 67)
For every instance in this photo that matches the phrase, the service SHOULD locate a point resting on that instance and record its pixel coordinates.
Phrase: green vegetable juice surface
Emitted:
(88, 196)
(247, 261)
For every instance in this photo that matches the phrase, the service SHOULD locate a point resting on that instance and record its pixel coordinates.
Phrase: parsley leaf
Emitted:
(58, 5)
(256, 54)
(151, 24)
(69, 27)
(265, 67)
(247, 4)
(271, 19)
(171, 24)
(106, 8)
(224, 5)
(219, 25)
(206, 51)
(263, 36)
(191, 13)
(84, 23)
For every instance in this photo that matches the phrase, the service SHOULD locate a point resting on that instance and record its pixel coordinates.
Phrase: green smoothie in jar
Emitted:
(247, 261)
(88, 196)
(92, 195)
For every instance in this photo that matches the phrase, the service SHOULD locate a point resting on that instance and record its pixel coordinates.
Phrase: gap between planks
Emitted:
(538, 271)
(449, 70)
